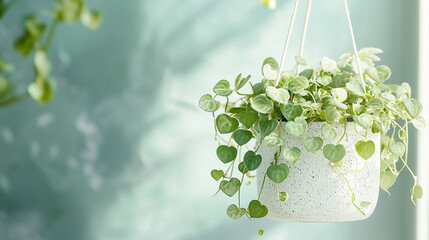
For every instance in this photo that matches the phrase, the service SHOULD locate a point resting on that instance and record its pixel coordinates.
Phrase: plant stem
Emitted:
(51, 35)
(262, 186)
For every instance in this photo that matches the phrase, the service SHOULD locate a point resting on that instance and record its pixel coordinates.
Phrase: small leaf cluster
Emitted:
(37, 37)
(334, 93)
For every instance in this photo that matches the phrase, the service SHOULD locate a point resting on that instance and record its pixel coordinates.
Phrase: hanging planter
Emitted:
(327, 137)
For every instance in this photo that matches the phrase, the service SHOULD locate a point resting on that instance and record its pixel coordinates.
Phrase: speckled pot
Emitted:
(317, 193)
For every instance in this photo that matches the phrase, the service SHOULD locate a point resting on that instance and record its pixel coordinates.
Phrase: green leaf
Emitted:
(271, 62)
(226, 154)
(355, 87)
(92, 19)
(297, 128)
(300, 60)
(222, 88)
(379, 74)
(283, 196)
(242, 137)
(298, 84)
(242, 168)
(332, 114)
(260, 231)
(262, 104)
(217, 174)
(234, 212)
(375, 104)
(208, 104)
(340, 80)
(307, 73)
(387, 179)
(240, 82)
(334, 153)
(279, 95)
(278, 173)
(291, 154)
(324, 80)
(328, 65)
(397, 148)
(413, 107)
(267, 126)
(257, 210)
(340, 94)
(251, 160)
(258, 88)
(34, 27)
(226, 124)
(230, 187)
(291, 111)
(328, 132)
(416, 191)
(364, 204)
(70, 11)
(248, 118)
(41, 64)
(364, 120)
(365, 149)
(419, 122)
(273, 140)
(311, 143)
(40, 91)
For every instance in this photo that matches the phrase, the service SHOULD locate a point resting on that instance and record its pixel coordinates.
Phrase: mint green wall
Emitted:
(124, 153)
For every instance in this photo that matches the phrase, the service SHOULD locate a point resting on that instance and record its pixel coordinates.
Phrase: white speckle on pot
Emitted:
(317, 192)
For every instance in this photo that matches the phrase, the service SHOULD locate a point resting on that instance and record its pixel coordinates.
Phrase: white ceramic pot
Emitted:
(317, 192)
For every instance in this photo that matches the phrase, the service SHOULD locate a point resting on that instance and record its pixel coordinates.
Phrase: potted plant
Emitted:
(322, 140)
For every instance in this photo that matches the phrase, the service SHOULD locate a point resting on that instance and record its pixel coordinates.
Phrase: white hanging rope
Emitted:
(354, 43)
(304, 32)
(286, 43)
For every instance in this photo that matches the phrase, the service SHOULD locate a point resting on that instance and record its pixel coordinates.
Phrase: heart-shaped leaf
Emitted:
(240, 82)
(365, 149)
(311, 143)
(226, 154)
(291, 111)
(230, 187)
(242, 137)
(262, 104)
(257, 210)
(328, 132)
(307, 73)
(217, 174)
(248, 118)
(291, 154)
(234, 212)
(364, 120)
(325, 80)
(208, 104)
(419, 122)
(416, 191)
(274, 140)
(300, 60)
(328, 65)
(267, 126)
(251, 160)
(242, 168)
(226, 124)
(278, 173)
(298, 84)
(364, 204)
(379, 74)
(283, 196)
(331, 113)
(222, 88)
(355, 87)
(413, 107)
(297, 128)
(397, 148)
(387, 179)
(334, 153)
(279, 95)
(271, 62)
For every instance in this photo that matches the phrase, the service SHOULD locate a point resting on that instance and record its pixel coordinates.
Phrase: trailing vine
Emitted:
(332, 93)
(37, 38)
